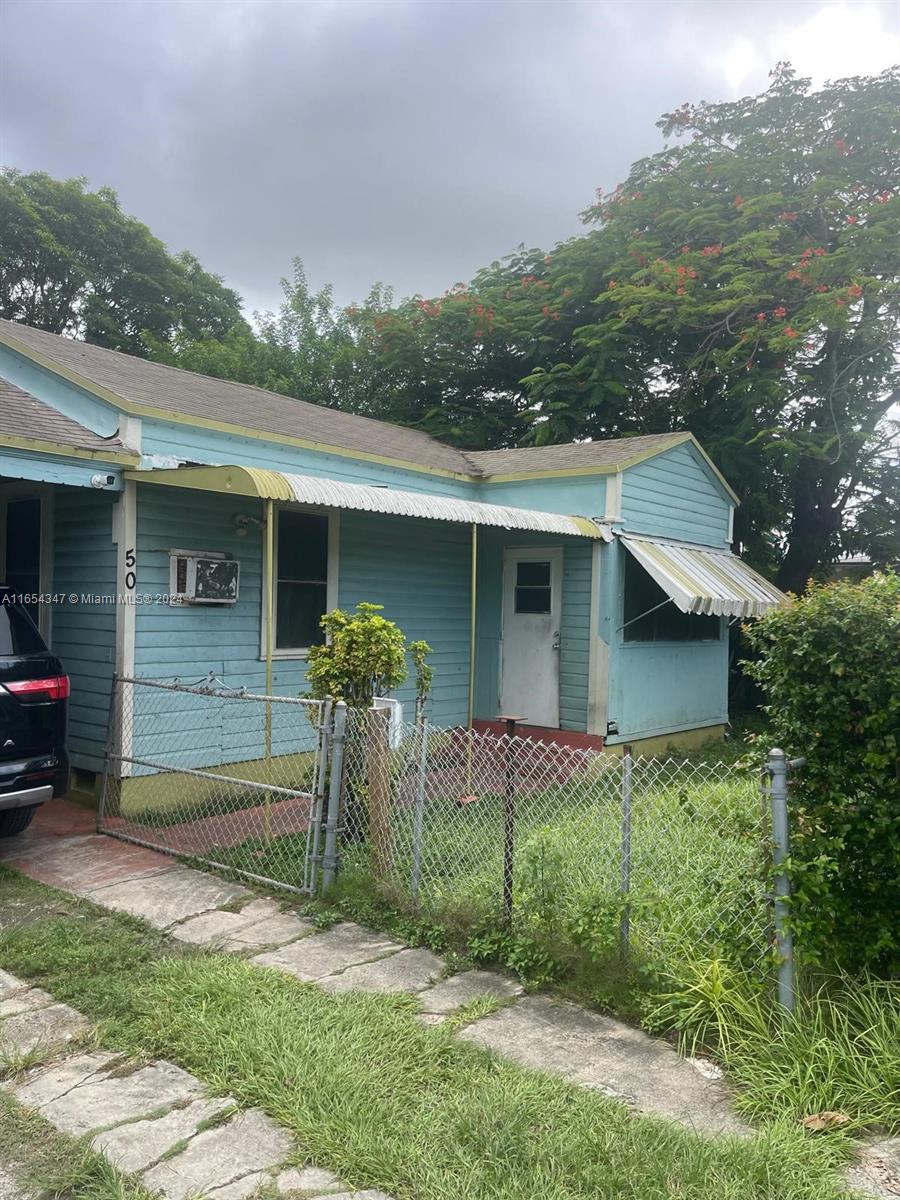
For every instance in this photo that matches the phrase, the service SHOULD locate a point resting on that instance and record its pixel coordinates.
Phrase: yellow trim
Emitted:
(62, 450)
(146, 410)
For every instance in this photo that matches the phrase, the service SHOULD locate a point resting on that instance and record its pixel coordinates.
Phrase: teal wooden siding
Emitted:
(574, 496)
(676, 495)
(420, 572)
(84, 635)
(574, 625)
(167, 444)
(575, 631)
(657, 687)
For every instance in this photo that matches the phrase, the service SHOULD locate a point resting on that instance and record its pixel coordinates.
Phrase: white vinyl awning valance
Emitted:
(699, 579)
(331, 493)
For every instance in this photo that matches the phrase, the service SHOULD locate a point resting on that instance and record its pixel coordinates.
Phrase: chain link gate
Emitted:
(230, 778)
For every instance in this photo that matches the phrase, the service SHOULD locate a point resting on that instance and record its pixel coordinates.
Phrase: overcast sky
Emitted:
(409, 141)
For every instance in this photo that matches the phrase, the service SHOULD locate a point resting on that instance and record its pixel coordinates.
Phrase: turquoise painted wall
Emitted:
(161, 440)
(45, 468)
(84, 635)
(657, 687)
(420, 572)
(574, 626)
(582, 497)
(676, 495)
(88, 410)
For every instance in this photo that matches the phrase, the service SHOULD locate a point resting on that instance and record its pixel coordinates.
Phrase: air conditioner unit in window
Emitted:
(203, 577)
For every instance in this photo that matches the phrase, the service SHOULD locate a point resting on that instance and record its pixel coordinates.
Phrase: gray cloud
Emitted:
(410, 142)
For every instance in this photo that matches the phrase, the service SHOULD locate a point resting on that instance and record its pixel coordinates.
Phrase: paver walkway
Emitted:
(154, 1120)
(587, 1048)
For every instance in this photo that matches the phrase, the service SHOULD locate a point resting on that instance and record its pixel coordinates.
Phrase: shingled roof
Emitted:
(614, 452)
(24, 416)
(188, 395)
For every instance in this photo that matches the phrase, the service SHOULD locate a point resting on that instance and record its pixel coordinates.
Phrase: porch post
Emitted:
(471, 711)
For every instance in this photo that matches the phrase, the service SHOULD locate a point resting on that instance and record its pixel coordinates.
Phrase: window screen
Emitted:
(301, 579)
(666, 624)
(533, 590)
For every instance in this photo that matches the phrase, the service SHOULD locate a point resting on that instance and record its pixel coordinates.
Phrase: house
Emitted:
(584, 588)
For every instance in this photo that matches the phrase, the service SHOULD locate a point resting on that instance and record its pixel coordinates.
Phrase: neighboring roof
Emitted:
(331, 493)
(153, 387)
(701, 580)
(23, 416)
(614, 452)
(185, 393)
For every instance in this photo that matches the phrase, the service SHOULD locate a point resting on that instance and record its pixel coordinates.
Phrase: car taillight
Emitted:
(55, 687)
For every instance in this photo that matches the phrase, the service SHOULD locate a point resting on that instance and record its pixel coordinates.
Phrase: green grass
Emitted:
(839, 1052)
(371, 1094)
(50, 1164)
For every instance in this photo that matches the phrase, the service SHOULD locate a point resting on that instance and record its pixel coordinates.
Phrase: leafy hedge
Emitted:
(829, 666)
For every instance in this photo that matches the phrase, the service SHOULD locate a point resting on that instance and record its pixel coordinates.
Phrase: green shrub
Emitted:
(830, 669)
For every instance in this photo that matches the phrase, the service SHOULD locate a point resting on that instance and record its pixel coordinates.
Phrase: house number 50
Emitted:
(130, 577)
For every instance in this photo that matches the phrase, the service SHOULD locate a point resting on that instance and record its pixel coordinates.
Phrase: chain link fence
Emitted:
(221, 775)
(600, 854)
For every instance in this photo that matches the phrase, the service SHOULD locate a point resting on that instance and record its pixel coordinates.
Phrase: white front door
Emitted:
(532, 607)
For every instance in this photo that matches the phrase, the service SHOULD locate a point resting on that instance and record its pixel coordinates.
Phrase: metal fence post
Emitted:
(379, 795)
(777, 767)
(509, 817)
(419, 820)
(338, 738)
(625, 851)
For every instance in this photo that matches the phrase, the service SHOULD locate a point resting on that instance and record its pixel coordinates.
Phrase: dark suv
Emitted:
(33, 692)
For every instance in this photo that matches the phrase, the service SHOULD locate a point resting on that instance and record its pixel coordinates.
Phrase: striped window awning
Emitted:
(332, 493)
(699, 579)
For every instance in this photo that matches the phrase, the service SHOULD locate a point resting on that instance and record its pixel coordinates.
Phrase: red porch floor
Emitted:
(62, 848)
(540, 733)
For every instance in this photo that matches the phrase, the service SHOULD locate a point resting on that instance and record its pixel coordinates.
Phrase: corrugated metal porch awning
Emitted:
(702, 580)
(331, 493)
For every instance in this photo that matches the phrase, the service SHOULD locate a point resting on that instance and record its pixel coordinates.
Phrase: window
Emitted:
(533, 592)
(666, 624)
(18, 634)
(301, 579)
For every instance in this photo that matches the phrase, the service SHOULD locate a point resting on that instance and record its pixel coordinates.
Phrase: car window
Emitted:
(18, 634)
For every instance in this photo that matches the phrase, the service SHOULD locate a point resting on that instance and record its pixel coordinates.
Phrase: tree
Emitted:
(746, 285)
(72, 262)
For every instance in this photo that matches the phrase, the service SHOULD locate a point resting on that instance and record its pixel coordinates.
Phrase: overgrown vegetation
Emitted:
(830, 669)
(384, 1101)
(840, 1052)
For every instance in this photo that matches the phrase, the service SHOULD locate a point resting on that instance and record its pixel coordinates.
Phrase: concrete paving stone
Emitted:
(306, 1180)
(9, 1186)
(368, 1194)
(876, 1171)
(327, 953)
(9, 984)
(170, 896)
(42, 1029)
(406, 971)
(139, 1144)
(22, 1002)
(112, 1099)
(241, 1189)
(277, 931)
(452, 993)
(605, 1054)
(41, 1085)
(259, 924)
(248, 1143)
